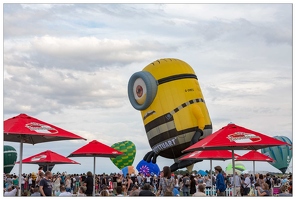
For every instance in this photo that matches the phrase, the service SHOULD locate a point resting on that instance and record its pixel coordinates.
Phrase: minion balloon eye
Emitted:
(142, 89)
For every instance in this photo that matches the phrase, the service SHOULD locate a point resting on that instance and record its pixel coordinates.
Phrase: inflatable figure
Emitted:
(173, 109)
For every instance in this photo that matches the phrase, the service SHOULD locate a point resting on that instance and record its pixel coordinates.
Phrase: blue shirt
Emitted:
(220, 184)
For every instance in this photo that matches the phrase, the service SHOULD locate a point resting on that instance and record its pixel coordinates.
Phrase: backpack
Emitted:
(169, 187)
(268, 182)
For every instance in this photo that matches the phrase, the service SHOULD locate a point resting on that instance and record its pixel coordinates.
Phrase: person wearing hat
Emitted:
(220, 183)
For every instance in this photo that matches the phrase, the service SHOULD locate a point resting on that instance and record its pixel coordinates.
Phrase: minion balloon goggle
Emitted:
(142, 87)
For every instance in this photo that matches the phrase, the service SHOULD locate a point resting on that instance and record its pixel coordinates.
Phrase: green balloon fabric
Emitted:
(282, 155)
(239, 168)
(127, 159)
(10, 156)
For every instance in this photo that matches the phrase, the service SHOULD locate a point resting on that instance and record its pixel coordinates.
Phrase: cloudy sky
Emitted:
(69, 65)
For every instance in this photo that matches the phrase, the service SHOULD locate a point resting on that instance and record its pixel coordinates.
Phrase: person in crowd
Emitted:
(186, 185)
(269, 181)
(284, 191)
(146, 190)
(39, 178)
(220, 183)
(15, 180)
(193, 185)
(56, 184)
(81, 192)
(200, 179)
(23, 181)
(265, 189)
(260, 180)
(167, 183)
(36, 192)
(89, 184)
(290, 183)
(246, 183)
(104, 193)
(68, 183)
(140, 179)
(119, 180)
(45, 185)
(64, 192)
(208, 182)
(200, 192)
(129, 184)
(11, 191)
(119, 191)
(34, 178)
(236, 184)
(8, 181)
(30, 181)
(135, 191)
(177, 186)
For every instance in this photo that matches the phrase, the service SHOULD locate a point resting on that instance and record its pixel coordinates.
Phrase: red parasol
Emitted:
(254, 156)
(26, 129)
(209, 155)
(48, 158)
(233, 137)
(95, 149)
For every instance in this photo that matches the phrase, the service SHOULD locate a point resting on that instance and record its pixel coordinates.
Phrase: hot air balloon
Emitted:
(282, 155)
(128, 170)
(128, 149)
(10, 156)
(148, 168)
(239, 168)
(173, 109)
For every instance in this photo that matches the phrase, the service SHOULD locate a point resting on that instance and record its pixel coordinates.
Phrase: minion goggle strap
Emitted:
(142, 87)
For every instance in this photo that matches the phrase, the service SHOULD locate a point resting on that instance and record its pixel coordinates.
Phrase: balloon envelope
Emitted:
(281, 155)
(10, 156)
(239, 168)
(128, 170)
(128, 149)
(147, 168)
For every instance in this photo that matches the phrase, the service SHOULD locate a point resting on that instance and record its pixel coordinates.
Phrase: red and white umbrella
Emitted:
(27, 129)
(209, 155)
(95, 149)
(48, 158)
(254, 156)
(234, 137)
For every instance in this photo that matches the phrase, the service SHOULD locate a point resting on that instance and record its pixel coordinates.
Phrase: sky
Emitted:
(69, 65)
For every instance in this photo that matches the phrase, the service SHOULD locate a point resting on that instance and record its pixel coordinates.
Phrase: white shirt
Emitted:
(247, 182)
(65, 194)
(30, 180)
(11, 193)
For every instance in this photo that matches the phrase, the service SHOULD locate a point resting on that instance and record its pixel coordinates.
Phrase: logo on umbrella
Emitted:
(37, 158)
(41, 128)
(242, 137)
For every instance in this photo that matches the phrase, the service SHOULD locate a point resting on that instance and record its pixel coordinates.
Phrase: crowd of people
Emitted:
(166, 184)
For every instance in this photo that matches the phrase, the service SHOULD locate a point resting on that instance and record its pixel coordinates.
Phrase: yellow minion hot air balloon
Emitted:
(173, 109)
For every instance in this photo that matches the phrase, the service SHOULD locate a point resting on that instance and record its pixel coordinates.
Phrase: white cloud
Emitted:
(69, 65)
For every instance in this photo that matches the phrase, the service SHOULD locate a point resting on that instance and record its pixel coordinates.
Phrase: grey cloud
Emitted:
(86, 53)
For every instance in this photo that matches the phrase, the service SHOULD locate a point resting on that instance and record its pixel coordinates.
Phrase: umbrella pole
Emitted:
(254, 169)
(94, 179)
(20, 168)
(211, 177)
(233, 170)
